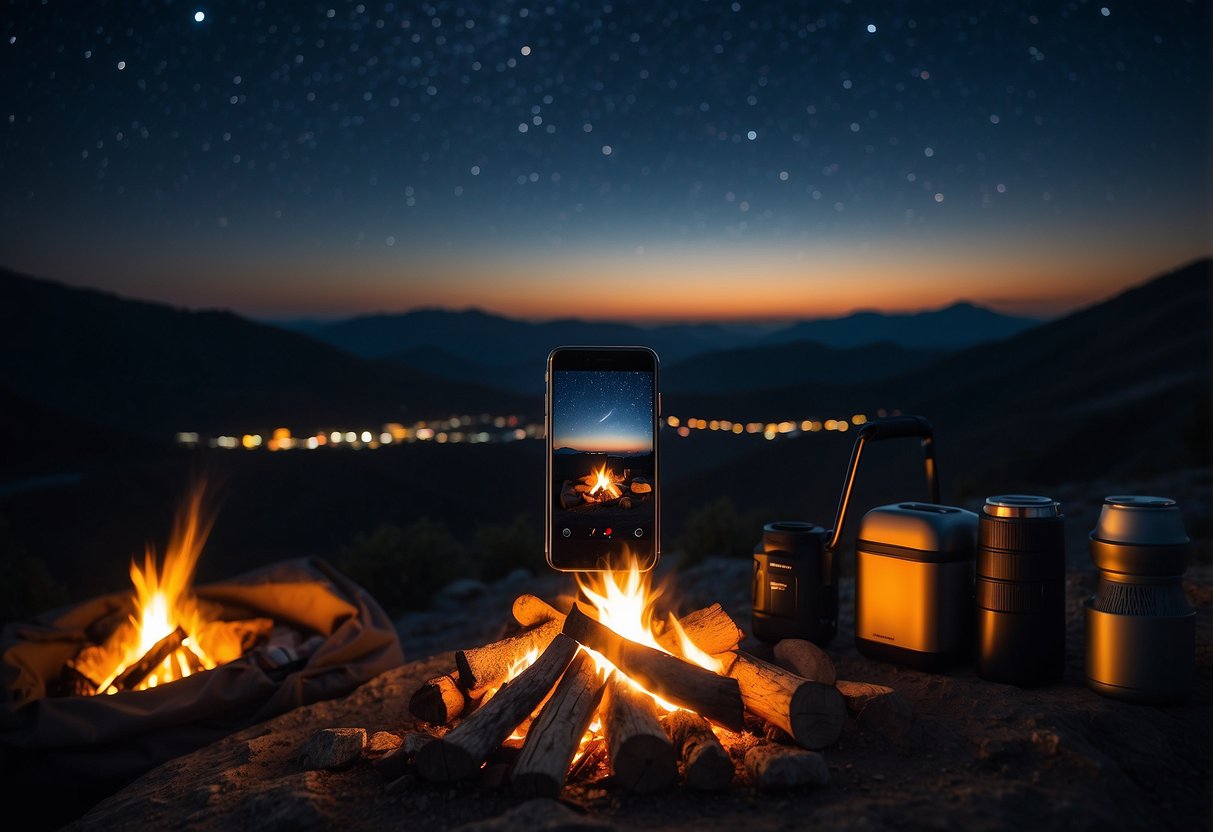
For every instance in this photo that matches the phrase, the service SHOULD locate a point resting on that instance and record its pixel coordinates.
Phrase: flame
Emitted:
(164, 601)
(691, 652)
(515, 669)
(604, 482)
(625, 600)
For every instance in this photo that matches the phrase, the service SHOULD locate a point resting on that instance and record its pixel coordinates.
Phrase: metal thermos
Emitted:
(1140, 628)
(1020, 590)
(795, 589)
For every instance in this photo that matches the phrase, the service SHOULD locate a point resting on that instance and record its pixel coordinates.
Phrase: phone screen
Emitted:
(602, 458)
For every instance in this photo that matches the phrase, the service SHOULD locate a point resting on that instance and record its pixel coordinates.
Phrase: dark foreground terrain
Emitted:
(974, 755)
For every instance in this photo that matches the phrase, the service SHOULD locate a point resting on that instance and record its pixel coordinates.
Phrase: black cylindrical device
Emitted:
(1020, 590)
(1140, 628)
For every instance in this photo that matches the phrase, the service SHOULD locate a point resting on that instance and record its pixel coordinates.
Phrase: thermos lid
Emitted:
(1021, 506)
(1141, 520)
(921, 531)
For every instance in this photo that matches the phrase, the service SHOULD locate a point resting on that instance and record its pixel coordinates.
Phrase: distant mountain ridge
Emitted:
(152, 369)
(1125, 384)
(962, 324)
(508, 353)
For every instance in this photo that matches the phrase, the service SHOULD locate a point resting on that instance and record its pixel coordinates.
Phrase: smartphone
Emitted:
(602, 420)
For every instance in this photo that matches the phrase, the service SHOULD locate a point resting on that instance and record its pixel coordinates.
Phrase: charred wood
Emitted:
(552, 739)
(675, 680)
(460, 752)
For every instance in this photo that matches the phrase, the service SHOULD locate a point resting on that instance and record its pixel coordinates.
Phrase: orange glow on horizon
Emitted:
(749, 282)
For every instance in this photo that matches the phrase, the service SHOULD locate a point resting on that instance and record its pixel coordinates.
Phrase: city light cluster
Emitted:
(456, 429)
(769, 430)
(491, 429)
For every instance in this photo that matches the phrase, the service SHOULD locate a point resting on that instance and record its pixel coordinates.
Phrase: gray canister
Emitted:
(1140, 628)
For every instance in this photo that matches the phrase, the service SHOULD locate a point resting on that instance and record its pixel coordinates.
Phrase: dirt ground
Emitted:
(975, 755)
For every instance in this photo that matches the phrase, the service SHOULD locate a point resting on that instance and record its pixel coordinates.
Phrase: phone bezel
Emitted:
(614, 357)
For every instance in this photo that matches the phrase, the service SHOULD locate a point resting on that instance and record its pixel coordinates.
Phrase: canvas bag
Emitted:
(69, 752)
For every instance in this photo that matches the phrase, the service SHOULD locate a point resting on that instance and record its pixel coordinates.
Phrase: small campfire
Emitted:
(165, 632)
(604, 487)
(611, 688)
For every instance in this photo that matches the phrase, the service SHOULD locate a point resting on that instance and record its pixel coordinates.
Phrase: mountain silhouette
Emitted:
(1122, 387)
(153, 369)
(494, 341)
(962, 324)
(796, 362)
(507, 353)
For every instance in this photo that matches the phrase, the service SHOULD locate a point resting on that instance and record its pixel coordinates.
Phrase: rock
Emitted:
(625, 502)
(807, 659)
(569, 498)
(462, 589)
(332, 748)
(382, 742)
(784, 767)
(639, 486)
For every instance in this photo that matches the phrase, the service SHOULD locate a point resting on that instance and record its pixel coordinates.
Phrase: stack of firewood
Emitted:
(776, 720)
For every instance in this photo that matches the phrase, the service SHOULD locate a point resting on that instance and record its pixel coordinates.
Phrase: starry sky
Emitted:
(659, 160)
(600, 411)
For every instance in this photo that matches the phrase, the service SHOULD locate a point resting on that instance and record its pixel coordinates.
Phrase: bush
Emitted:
(28, 587)
(719, 529)
(404, 568)
(502, 549)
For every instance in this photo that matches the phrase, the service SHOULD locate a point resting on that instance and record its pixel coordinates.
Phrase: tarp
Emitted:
(68, 752)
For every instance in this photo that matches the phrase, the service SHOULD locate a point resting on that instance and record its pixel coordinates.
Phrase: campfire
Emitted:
(164, 633)
(604, 487)
(612, 686)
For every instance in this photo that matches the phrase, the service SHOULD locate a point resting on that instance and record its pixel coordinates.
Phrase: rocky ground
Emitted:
(974, 755)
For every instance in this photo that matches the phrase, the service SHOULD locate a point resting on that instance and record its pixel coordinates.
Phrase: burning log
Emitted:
(711, 629)
(134, 674)
(590, 757)
(551, 741)
(713, 696)
(439, 700)
(481, 668)
(459, 754)
(642, 756)
(705, 763)
(812, 712)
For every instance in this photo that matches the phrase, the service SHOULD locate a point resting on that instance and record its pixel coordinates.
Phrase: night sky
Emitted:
(603, 411)
(645, 160)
